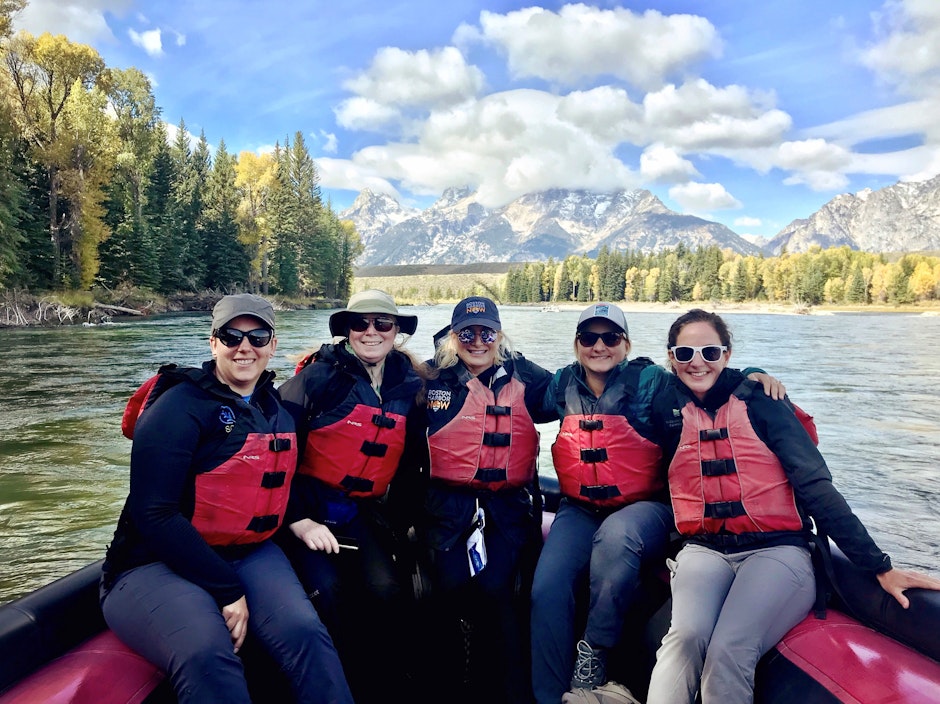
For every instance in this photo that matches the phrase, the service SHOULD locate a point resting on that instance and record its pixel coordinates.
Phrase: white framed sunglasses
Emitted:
(710, 353)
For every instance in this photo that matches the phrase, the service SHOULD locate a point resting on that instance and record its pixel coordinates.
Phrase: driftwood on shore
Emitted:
(119, 309)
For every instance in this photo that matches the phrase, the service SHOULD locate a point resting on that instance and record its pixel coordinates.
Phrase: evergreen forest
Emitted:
(97, 193)
(835, 276)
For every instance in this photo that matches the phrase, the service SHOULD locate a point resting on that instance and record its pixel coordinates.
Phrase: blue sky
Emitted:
(748, 113)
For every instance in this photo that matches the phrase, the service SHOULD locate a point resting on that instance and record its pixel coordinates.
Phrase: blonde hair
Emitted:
(446, 354)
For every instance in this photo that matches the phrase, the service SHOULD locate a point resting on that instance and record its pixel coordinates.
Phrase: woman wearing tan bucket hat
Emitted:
(351, 501)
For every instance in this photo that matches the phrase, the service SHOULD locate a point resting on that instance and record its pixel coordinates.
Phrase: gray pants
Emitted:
(727, 611)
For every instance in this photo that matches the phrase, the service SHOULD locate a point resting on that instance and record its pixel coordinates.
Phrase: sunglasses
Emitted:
(589, 339)
(230, 337)
(362, 324)
(467, 336)
(710, 353)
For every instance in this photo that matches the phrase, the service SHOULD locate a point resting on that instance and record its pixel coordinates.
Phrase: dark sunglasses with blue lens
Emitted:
(230, 337)
(467, 335)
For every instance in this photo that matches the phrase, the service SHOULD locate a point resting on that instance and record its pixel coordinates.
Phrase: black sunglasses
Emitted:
(684, 353)
(230, 337)
(589, 339)
(362, 324)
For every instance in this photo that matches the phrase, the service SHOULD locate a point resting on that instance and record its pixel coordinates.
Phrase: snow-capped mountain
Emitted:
(904, 217)
(458, 230)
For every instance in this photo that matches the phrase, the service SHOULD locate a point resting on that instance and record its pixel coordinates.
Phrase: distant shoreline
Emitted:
(756, 307)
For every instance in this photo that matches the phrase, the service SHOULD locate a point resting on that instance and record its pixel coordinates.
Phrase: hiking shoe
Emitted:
(614, 693)
(580, 695)
(590, 666)
(610, 693)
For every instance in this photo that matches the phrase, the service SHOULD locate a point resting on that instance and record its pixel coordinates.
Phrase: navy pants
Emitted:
(178, 627)
(609, 550)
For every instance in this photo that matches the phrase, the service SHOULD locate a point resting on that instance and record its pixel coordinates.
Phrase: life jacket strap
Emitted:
(373, 449)
(497, 439)
(262, 524)
(718, 468)
(600, 491)
(273, 480)
(725, 509)
(279, 445)
(351, 483)
(490, 475)
(591, 424)
(383, 421)
(593, 454)
(712, 434)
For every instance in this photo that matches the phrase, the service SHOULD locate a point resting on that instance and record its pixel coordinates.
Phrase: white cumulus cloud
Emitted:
(907, 51)
(82, 21)
(397, 77)
(579, 42)
(703, 197)
(150, 41)
(664, 164)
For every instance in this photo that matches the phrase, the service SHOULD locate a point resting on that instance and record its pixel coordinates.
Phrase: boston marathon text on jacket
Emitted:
(738, 428)
(204, 483)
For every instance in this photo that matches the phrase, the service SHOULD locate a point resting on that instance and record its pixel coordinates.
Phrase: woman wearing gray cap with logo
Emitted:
(614, 517)
(481, 413)
(192, 570)
(355, 403)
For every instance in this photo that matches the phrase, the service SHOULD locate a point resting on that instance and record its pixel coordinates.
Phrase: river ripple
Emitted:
(871, 380)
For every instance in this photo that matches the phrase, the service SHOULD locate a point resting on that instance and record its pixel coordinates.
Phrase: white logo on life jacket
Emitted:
(438, 399)
(352, 422)
(251, 457)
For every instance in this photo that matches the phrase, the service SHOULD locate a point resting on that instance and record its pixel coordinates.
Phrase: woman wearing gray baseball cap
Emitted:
(352, 501)
(614, 517)
(192, 569)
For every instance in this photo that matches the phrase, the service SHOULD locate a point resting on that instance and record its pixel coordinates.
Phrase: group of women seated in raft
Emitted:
(295, 516)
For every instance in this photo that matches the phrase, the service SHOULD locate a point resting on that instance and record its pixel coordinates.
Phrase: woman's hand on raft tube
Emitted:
(315, 536)
(773, 387)
(236, 620)
(895, 581)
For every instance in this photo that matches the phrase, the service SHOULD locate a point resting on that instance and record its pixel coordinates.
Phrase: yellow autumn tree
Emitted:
(255, 176)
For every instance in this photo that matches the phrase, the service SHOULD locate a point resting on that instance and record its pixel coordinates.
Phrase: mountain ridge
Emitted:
(456, 229)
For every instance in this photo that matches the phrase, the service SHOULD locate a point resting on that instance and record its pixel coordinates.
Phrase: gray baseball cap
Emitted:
(603, 311)
(230, 307)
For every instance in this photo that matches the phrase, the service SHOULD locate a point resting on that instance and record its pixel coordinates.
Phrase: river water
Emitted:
(872, 381)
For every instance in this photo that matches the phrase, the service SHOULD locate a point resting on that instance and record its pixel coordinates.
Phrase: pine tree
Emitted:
(226, 257)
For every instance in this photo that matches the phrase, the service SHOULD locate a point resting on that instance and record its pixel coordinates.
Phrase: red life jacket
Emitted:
(360, 451)
(244, 499)
(602, 460)
(490, 442)
(724, 478)
(599, 457)
(150, 390)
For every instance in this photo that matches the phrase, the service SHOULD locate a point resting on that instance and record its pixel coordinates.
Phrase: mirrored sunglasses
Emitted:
(467, 336)
(710, 353)
(230, 337)
(362, 324)
(589, 339)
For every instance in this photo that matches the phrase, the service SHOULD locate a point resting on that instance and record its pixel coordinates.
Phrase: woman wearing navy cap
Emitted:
(483, 446)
